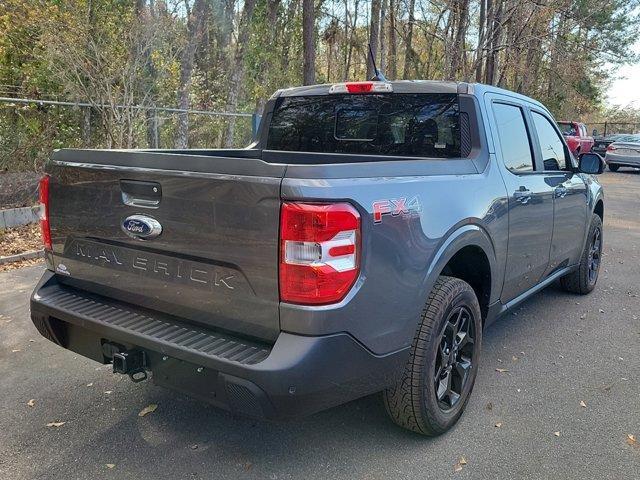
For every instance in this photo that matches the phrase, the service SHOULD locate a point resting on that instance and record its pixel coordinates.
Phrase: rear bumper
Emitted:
(296, 376)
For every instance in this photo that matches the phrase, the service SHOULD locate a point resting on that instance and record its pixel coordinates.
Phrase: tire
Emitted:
(413, 402)
(583, 280)
(613, 167)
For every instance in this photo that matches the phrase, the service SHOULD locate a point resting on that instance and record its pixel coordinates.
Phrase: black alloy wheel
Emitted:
(454, 359)
(595, 251)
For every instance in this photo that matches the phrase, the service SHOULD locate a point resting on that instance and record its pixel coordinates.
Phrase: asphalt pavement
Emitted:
(563, 408)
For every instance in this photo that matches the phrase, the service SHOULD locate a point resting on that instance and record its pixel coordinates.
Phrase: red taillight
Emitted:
(319, 252)
(44, 212)
(611, 148)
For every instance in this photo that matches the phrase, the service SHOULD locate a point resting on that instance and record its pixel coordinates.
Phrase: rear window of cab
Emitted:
(412, 125)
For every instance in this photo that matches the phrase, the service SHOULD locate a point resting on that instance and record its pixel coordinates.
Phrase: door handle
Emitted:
(138, 193)
(522, 195)
(561, 192)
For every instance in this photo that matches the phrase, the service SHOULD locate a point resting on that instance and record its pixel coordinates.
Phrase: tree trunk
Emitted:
(430, 56)
(493, 36)
(308, 43)
(237, 76)
(409, 53)
(86, 127)
(480, 51)
(195, 30)
(383, 36)
(374, 35)
(393, 47)
(268, 66)
(457, 49)
(351, 36)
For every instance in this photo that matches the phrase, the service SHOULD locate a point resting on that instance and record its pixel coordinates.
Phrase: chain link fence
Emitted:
(30, 129)
(603, 129)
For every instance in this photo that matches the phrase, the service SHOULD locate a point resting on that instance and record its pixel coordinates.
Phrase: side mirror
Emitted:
(591, 163)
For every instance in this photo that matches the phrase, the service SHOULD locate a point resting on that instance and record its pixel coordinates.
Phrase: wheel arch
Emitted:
(468, 254)
(598, 209)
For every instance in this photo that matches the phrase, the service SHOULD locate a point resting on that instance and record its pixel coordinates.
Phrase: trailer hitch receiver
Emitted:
(132, 363)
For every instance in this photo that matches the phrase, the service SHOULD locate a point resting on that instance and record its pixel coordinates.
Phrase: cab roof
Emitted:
(414, 86)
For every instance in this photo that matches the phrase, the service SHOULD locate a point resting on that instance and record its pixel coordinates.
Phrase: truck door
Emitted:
(530, 200)
(569, 192)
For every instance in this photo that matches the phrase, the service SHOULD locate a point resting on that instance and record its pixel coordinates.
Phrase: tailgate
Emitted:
(215, 260)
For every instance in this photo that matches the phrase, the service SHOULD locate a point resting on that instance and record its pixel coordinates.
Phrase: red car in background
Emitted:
(578, 140)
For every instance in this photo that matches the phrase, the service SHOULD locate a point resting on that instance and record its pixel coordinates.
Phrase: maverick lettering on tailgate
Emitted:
(160, 267)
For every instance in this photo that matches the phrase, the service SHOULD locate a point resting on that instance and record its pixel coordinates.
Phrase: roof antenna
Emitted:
(379, 76)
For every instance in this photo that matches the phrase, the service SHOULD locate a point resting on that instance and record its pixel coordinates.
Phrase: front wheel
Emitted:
(434, 388)
(583, 280)
(613, 167)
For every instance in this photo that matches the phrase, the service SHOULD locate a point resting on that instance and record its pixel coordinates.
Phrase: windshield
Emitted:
(567, 128)
(415, 125)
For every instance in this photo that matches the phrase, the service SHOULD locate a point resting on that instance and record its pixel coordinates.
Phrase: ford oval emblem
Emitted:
(141, 226)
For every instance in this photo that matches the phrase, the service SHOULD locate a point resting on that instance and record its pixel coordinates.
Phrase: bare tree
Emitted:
(308, 43)
(91, 69)
(384, 49)
(482, 19)
(237, 75)
(393, 46)
(409, 62)
(457, 60)
(374, 35)
(196, 21)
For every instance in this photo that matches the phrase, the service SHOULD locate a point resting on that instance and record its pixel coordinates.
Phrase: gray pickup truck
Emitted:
(361, 244)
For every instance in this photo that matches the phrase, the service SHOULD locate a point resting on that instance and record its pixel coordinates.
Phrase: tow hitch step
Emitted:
(132, 363)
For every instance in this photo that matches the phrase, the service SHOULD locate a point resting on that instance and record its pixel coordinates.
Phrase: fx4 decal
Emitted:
(395, 207)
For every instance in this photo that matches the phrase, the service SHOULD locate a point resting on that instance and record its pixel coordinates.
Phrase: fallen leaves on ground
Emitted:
(458, 466)
(20, 264)
(110, 465)
(16, 240)
(55, 424)
(582, 404)
(148, 409)
(498, 425)
(557, 434)
(32, 402)
(631, 440)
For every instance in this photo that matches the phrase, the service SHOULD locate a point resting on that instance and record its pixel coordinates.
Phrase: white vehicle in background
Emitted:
(624, 153)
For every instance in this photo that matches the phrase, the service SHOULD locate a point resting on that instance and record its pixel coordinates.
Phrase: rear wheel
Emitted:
(613, 167)
(583, 280)
(435, 385)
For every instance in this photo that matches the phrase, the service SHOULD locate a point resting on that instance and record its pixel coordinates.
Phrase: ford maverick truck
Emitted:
(361, 244)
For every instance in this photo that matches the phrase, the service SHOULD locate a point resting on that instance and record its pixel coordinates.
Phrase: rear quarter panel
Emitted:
(402, 255)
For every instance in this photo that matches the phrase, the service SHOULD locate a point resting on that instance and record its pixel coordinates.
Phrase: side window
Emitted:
(551, 145)
(514, 139)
